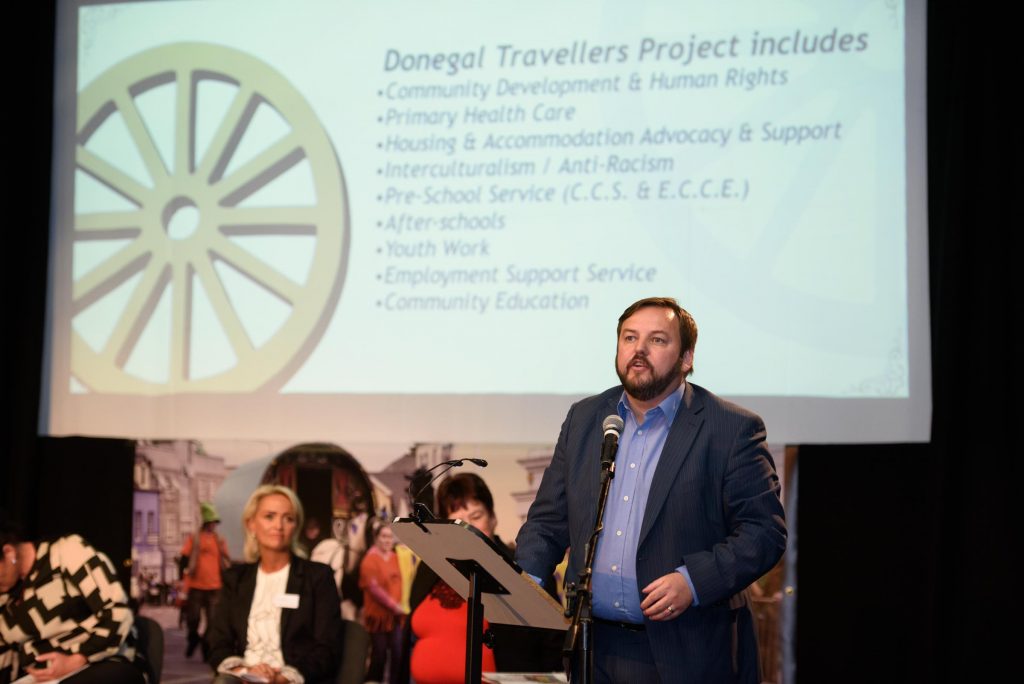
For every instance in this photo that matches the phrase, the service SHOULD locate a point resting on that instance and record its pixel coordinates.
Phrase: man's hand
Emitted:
(54, 665)
(666, 597)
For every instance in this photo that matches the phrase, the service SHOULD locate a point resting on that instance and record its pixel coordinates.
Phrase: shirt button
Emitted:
(616, 604)
(625, 498)
(618, 533)
(615, 568)
(632, 465)
(639, 432)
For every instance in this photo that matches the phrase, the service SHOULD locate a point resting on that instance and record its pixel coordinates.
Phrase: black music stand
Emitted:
(473, 566)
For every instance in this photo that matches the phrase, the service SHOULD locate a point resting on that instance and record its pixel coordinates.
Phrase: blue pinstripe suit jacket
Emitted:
(713, 506)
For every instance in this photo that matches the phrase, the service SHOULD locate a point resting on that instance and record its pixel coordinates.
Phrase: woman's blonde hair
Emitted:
(252, 549)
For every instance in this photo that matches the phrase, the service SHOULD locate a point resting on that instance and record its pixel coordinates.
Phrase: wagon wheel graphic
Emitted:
(186, 216)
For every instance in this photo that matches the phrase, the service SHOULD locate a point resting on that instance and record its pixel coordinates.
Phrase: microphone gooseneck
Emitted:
(420, 511)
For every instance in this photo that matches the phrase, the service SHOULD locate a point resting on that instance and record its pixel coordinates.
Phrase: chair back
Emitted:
(150, 647)
(355, 651)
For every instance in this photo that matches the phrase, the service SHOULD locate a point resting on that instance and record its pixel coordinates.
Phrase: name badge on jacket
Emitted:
(286, 601)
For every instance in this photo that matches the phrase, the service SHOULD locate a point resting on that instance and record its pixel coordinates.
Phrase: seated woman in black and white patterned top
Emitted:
(62, 610)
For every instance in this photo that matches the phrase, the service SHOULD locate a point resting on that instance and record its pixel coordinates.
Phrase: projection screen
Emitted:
(420, 221)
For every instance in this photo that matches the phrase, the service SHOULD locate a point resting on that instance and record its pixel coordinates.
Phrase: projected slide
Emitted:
(286, 210)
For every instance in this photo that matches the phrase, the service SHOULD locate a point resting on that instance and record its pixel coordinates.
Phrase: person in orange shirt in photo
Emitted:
(380, 577)
(202, 579)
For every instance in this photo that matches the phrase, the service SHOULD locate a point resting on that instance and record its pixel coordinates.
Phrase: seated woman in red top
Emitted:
(439, 614)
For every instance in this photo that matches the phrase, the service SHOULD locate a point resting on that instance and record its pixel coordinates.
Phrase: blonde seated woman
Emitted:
(278, 619)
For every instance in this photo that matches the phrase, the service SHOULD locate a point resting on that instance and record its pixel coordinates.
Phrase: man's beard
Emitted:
(645, 390)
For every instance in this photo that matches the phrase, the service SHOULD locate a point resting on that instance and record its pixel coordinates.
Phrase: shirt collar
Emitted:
(669, 406)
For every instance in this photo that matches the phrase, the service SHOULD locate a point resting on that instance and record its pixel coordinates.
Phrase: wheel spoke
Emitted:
(113, 178)
(223, 308)
(266, 220)
(185, 123)
(181, 322)
(258, 270)
(108, 225)
(230, 131)
(141, 136)
(106, 277)
(136, 314)
(260, 170)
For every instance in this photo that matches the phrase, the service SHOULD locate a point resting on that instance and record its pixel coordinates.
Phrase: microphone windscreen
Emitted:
(613, 423)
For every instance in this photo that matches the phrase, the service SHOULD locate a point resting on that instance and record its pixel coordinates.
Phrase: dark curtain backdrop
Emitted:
(903, 569)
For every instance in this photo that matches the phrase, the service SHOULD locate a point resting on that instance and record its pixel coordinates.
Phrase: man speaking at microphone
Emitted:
(693, 516)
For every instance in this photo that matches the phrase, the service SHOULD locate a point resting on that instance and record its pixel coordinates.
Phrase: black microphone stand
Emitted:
(578, 649)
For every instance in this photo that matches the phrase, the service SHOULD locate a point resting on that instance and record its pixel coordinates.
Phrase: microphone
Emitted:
(420, 510)
(612, 427)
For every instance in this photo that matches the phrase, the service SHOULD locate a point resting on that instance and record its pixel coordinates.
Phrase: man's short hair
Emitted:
(687, 326)
(458, 490)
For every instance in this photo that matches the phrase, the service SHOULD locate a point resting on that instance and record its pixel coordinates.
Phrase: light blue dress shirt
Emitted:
(615, 591)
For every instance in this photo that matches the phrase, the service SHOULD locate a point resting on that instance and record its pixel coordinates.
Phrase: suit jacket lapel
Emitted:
(677, 447)
(293, 587)
(246, 590)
